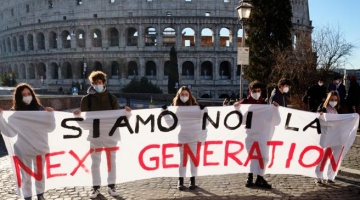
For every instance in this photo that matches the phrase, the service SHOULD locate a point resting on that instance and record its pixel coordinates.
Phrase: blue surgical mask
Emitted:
(98, 88)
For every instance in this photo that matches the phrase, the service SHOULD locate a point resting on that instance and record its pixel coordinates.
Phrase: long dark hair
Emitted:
(17, 102)
(190, 102)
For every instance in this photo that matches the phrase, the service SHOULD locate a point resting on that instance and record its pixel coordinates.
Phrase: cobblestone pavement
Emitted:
(210, 187)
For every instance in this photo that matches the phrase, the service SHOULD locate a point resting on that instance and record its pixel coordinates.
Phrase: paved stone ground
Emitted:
(210, 187)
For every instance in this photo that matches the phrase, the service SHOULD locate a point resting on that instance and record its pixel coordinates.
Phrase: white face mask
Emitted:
(255, 95)
(286, 89)
(27, 99)
(98, 88)
(184, 99)
(320, 84)
(333, 103)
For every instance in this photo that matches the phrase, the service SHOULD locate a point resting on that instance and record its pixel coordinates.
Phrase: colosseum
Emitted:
(53, 43)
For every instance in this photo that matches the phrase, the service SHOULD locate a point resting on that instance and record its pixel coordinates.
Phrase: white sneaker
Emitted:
(112, 192)
(94, 194)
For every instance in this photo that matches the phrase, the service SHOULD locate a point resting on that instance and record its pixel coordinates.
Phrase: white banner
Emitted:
(57, 149)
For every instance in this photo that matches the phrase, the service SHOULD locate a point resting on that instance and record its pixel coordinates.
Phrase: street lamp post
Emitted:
(244, 10)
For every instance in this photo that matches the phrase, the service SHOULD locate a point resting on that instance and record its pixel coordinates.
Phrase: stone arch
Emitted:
(188, 70)
(4, 46)
(150, 68)
(54, 68)
(96, 38)
(169, 37)
(167, 65)
(22, 71)
(66, 39)
(225, 70)
(41, 70)
(8, 44)
(16, 70)
(115, 69)
(113, 34)
(225, 37)
(207, 37)
(14, 43)
(150, 36)
(30, 40)
(40, 39)
(22, 43)
(80, 38)
(31, 71)
(132, 68)
(66, 71)
(207, 70)
(52, 40)
(188, 37)
(132, 37)
(97, 66)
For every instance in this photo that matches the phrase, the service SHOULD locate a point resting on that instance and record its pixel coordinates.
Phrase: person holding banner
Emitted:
(185, 98)
(331, 105)
(99, 99)
(279, 94)
(255, 98)
(25, 99)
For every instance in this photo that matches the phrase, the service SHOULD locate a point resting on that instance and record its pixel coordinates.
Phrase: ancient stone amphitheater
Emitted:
(55, 43)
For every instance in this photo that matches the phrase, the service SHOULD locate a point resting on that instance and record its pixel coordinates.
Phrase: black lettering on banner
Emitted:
(249, 120)
(317, 122)
(64, 125)
(287, 127)
(206, 116)
(139, 119)
(240, 117)
(172, 127)
(119, 123)
(96, 128)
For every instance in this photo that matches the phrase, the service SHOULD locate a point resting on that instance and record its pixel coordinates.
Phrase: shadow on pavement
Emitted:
(3, 150)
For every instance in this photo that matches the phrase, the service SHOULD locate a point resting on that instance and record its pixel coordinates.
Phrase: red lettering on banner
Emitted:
(80, 162)
(156, 159)
(232, 155)
(188, 152)
(273, 144)
(38, 176)
(309, 148)
(206, 153)
(290, 155)
(329, 154)
(108, 151)
(166, 156)
(255, 147)
(49, 165)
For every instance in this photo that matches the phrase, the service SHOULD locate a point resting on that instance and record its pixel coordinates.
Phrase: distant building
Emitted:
(62, 41)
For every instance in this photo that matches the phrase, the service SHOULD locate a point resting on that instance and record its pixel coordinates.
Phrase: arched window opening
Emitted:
(188, 37)
(150, 37)
(188, 70)
(169, 37)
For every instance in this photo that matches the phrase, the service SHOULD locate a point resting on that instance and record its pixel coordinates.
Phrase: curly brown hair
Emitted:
(17, 102)
(97, 75)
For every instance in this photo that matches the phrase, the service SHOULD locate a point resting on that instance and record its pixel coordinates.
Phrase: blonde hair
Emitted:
(330, 94)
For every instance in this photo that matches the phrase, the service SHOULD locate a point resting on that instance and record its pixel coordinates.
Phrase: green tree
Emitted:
(6, 80)
(269, 32)
(173, 72)
(141, 86)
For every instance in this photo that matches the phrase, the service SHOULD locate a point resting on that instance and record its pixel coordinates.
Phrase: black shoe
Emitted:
(261, 182)
(192, 185)
(249, 181)
(40, 196)
(27, 198)
(180, 185)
